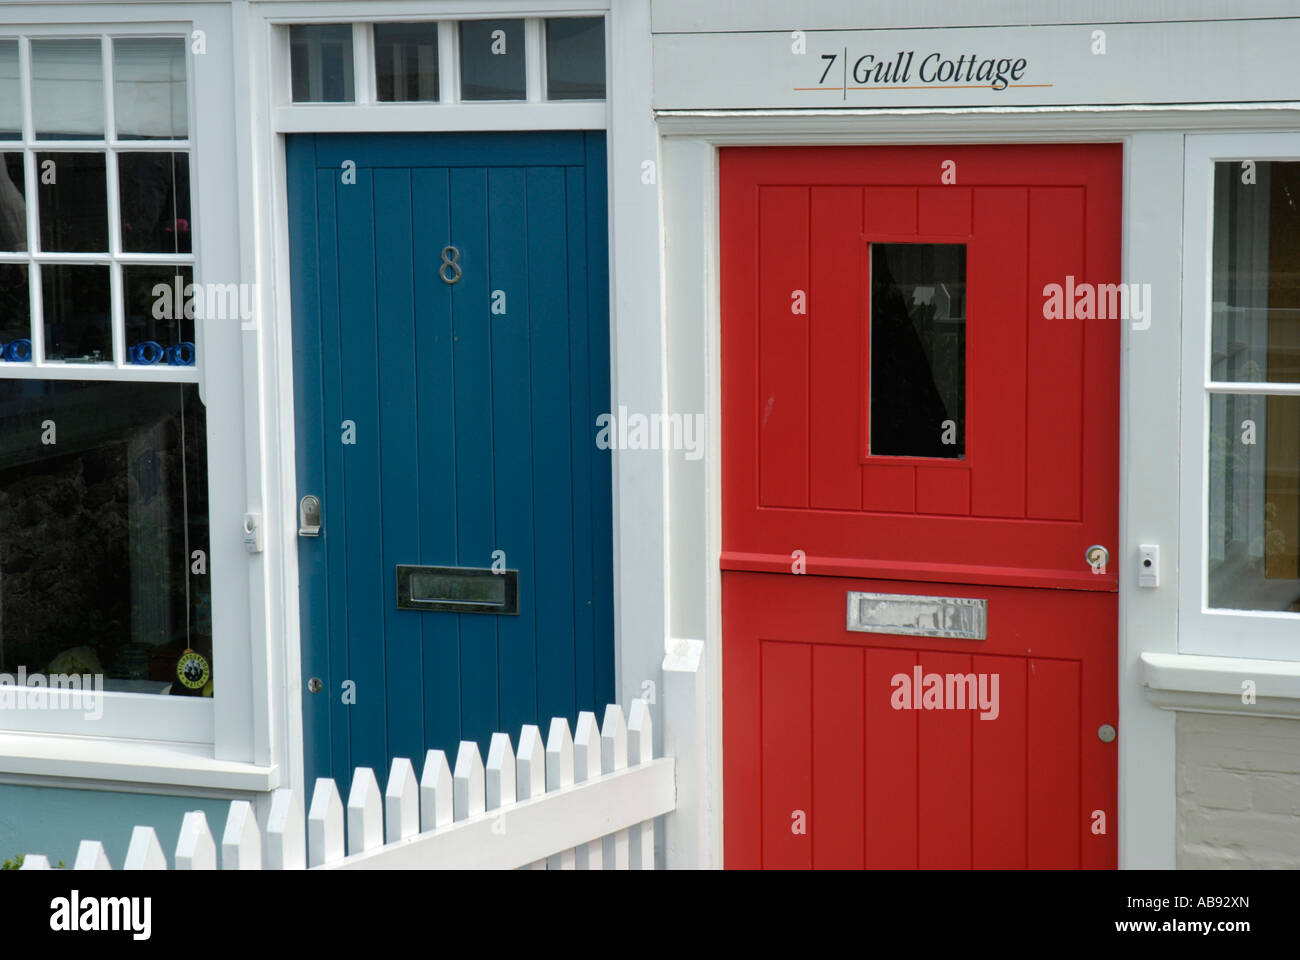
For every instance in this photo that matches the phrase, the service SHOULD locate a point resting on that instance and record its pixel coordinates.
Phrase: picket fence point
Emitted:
(241, 841)
(91, 856)
(435, 792)
(401, 802)
(325, 824)
(144, 851)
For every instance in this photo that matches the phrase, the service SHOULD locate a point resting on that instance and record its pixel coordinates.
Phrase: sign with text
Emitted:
(1150, 63)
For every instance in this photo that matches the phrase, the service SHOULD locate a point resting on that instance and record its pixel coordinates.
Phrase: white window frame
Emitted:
(1205, 631)
(223, 742)
(365, 114)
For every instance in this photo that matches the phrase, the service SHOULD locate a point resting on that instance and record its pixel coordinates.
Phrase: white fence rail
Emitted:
(587, 802)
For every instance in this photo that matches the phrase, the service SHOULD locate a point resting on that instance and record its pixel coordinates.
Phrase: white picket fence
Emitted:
(584, 801)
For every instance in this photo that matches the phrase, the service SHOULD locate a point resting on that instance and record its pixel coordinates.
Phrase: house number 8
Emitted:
(450, 269)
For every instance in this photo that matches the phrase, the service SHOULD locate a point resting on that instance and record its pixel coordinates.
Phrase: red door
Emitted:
(920, 447)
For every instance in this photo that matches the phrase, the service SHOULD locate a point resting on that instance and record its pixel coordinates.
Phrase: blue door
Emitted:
(451, 355)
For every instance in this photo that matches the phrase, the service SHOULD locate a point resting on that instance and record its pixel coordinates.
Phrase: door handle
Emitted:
(309, 516)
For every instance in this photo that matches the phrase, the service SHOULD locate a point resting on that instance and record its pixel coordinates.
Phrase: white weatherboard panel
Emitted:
(686, 16)
(1183, 62)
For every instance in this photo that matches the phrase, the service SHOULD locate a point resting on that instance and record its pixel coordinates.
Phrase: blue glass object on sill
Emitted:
(151, 352)
(147, 353)
(16, 351)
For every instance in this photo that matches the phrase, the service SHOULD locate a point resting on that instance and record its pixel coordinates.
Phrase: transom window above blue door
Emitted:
(516, 60)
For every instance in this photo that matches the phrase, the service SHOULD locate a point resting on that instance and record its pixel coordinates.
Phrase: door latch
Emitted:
(1097, 557)
(309, 521)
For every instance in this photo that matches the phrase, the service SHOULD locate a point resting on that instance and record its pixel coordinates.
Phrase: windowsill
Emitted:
(1200, 684)
(72, 761)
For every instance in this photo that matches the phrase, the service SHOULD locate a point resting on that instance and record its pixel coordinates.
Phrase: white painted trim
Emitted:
(348, 11)
(1266, 635)
(1198, 674)
(110, 714)
(1148, 486)
(363, 65)
(266, 195)
(694, 504)
(1215, 685)
(60, 761)
(448, 63)
(534, 61)
(440, 117)
(103, 371)
(694, 16)
(638, 373)
(969, 124)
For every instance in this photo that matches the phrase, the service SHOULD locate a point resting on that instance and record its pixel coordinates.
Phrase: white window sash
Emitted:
(1205, 631)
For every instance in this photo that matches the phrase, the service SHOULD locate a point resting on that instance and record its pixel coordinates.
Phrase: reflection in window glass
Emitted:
(76, 307)
(492, 60)
(575, 58)
(159, 312)
(1254, 502)
(320, 63)
(15, 314)
(1256, 280)
(73, 201)
(68, 89)
(97, 531)
(406, 61)
(918, 350)
(149, 100)
(155, 197)
(11, 117)
(13, 204)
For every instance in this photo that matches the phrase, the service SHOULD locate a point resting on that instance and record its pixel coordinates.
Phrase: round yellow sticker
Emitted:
(192, 669)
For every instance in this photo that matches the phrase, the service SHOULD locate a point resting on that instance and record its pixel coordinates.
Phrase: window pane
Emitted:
(97, 532)
(13, 204)
(76, 309)
(68, 89)
(918, 350)
(73, 202)
(15, 314)
(155, 196)
(575, 59)
(406, 61)
(149, 99)
(159, 314)
(11, 117)
(320, 61)
(492, 60)
(1254, 500)
(1256, 288)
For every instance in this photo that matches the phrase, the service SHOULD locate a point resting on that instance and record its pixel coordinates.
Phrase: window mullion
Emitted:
(448, 62)
(363, 63)
(535, 86)
(36, 326)
(117, 315)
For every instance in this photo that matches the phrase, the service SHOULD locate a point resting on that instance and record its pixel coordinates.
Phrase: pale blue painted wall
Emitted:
(54, 821)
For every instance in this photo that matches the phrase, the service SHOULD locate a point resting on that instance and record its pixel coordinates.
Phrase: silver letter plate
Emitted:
(953, 618)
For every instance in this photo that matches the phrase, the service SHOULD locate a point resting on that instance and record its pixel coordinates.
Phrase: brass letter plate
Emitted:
(457, 590)
(950, 618)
